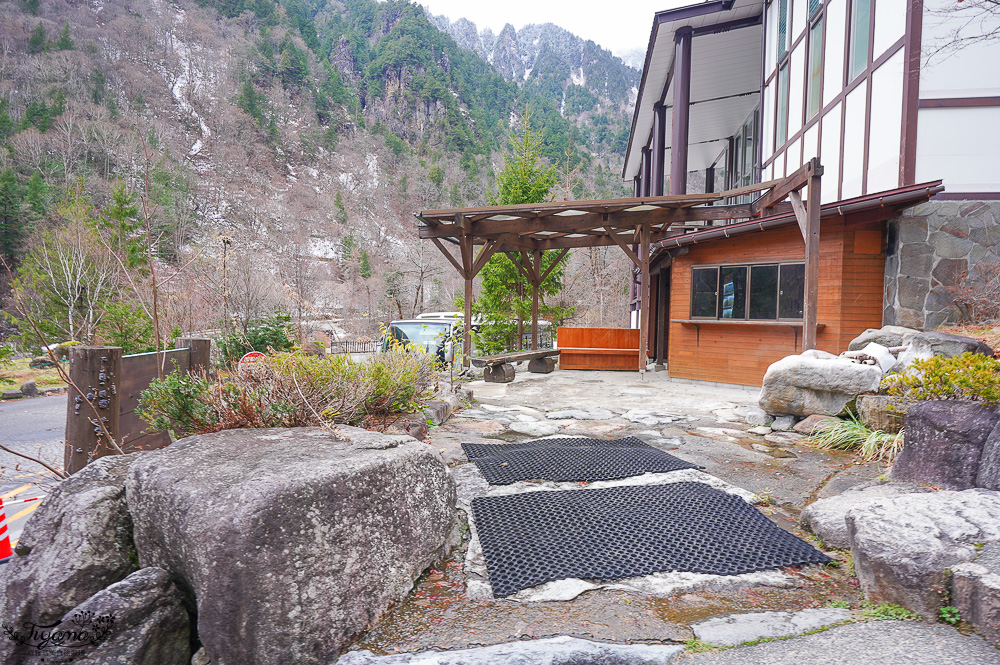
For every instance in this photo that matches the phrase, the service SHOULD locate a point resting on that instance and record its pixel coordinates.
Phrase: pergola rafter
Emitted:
(633, 224)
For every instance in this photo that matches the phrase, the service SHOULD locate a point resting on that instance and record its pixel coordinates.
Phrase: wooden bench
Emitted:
(500, 369)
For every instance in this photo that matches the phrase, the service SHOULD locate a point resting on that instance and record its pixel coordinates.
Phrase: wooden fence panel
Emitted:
(114, 384)
(598, 348)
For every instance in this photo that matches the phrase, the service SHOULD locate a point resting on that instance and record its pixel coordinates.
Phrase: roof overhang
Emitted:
(725, 77)
(881, 205)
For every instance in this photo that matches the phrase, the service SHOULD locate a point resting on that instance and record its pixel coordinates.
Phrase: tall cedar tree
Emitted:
(15, 227)
(505, 295)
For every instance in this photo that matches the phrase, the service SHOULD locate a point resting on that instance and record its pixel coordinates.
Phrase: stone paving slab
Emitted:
(553, 651)
(874, 643)
(734, 629)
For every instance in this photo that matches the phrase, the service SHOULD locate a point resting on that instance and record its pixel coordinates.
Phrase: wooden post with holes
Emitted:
(96, 370)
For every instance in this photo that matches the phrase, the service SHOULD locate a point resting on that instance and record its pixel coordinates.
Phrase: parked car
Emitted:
(439, 336)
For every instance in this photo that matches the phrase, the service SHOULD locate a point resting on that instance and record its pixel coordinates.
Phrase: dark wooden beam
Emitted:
(644, 235)
(681, 111)
(625, 248)
(811, 286)
(444, 250)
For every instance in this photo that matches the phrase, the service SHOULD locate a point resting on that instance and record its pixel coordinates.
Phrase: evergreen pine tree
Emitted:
(37, 195)
(366, 265)
(31, 6)
(36, 42)
(505, 294)
(15, 227)
(65, 42)
(121, 221)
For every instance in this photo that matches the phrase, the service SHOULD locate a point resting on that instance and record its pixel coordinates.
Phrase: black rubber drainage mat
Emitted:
(579, 459)
(609, 534)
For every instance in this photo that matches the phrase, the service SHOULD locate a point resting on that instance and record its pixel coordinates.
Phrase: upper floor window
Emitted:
(861, 18)
(767, 292)
(782, 28)
(781, 129)
(815, 69)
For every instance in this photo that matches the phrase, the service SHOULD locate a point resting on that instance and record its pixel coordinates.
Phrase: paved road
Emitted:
(36, 427)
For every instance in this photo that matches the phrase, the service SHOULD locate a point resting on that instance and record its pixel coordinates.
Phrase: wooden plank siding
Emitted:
(138, 371)
(598, 348)
(850, 300)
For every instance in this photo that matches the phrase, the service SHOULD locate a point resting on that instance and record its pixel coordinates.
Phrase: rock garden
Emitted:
(313, 544)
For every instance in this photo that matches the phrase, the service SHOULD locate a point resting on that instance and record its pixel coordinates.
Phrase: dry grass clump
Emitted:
(290, 390)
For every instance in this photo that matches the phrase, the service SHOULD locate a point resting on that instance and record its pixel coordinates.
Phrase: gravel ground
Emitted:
(875, 643)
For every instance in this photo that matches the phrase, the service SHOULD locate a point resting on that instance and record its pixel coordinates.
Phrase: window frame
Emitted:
(859, 67)
(748, 289)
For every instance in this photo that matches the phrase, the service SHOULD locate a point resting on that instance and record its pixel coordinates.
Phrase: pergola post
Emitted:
(465, 244)
(643, 295)
(811, 286)
(536, 271)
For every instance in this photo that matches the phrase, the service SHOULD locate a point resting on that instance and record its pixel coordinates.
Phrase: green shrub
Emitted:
(178, 402)
(970, 376)
(290, 390)
(851, 434)
(261, 335)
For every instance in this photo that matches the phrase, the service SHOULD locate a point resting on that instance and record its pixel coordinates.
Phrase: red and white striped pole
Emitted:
(5, 550)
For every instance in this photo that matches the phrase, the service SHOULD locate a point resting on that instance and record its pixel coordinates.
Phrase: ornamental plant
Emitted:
(971, 376)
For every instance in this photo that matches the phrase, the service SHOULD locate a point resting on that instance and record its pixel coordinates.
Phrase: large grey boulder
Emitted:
(888, 336)
(291, 542)
(75, 544)
(928, 344)
(882, 412)
(150, 625)
(988, 475)
(552, 651)
(903, 546)
(811, 383)
(825, 517)
(944, 443)
(975, 592)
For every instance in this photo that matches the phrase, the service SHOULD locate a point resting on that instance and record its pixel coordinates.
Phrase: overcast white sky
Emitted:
(620, 26)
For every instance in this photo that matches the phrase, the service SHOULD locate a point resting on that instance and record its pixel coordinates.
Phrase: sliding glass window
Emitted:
(861, 18)
(768, 292)
(815, 68)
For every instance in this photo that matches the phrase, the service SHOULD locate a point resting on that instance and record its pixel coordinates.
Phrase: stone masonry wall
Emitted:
(931, 248)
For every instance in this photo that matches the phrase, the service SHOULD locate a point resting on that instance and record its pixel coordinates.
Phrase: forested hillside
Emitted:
(284, 147)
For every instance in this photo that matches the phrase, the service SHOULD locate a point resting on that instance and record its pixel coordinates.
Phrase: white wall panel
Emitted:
(890, 24)
(793, 156)
(970, 71)
(952, 145)
(767, 122)
(796, 93)
(810, 143)
(854, 141)
(830, 153)
(886, 124)
(799, 10)
(833, 58)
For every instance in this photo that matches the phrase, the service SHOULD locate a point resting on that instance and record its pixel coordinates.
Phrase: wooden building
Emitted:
(739, 91)
(775, 151)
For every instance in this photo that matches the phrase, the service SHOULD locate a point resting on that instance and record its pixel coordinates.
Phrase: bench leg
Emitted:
(499, 373)
(541, 365)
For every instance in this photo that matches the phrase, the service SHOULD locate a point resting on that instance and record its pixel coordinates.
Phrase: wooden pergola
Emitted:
(633, 224)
